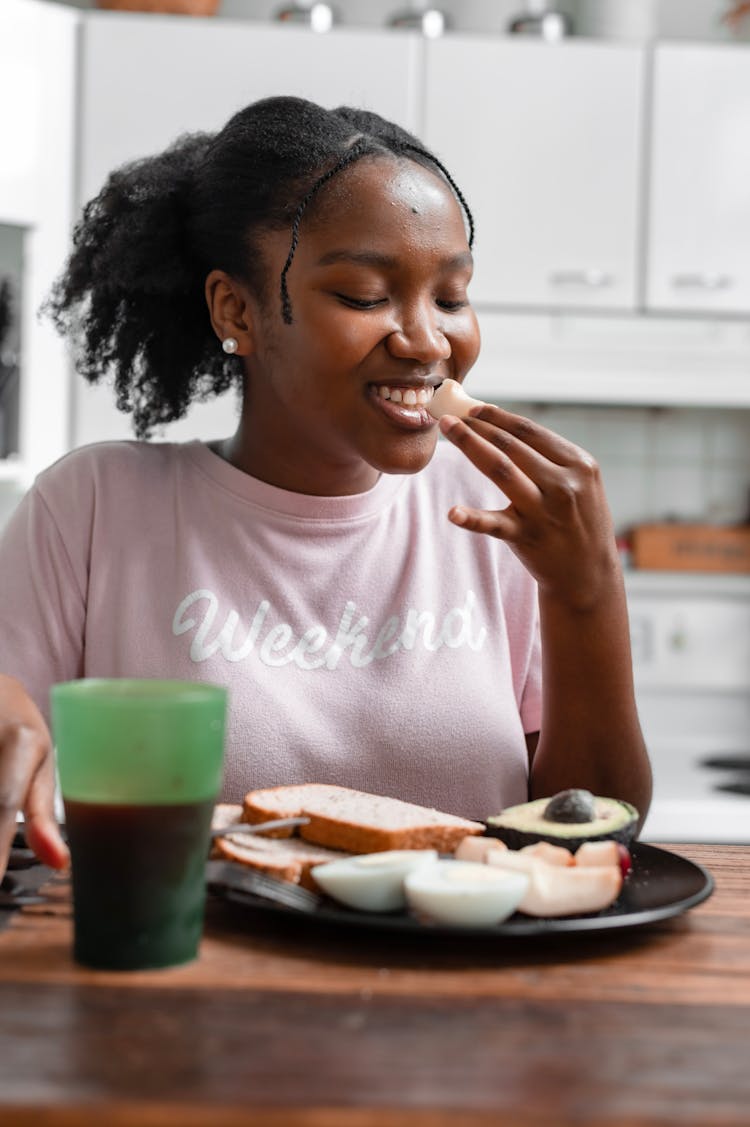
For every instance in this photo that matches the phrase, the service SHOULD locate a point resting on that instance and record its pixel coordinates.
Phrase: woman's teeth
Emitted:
(409, 396)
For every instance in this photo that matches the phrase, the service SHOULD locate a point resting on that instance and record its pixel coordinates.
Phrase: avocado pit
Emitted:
(577, 806)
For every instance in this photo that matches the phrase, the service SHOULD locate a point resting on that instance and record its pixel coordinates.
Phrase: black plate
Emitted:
(660, 885)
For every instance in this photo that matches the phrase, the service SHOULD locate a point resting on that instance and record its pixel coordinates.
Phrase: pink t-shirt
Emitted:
(364, 640)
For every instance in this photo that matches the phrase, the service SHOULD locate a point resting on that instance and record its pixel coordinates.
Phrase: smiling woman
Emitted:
(316, 561)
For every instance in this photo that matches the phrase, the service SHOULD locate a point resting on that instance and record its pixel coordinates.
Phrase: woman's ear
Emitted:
(229, 309)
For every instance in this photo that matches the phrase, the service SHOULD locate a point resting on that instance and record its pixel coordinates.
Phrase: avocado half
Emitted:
(569, 818)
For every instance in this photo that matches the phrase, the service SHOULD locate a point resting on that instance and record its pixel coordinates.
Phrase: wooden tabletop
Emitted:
(306, 1026)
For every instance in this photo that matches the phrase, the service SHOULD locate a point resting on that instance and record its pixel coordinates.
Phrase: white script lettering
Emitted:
(281, 646)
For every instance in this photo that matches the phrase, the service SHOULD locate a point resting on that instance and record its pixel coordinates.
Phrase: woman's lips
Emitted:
(412, 416)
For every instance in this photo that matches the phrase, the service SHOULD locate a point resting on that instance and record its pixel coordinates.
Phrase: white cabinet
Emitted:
(146, 79)
(672, 638)
(545, 142)
(37, 122)
(699, 214)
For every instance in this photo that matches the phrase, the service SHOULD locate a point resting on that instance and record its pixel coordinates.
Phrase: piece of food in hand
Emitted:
(359, 822)
(451, 399)
(569, 818)
(473, 848)
(373, 882)
(290, 860)
(560, 890)
(465, 893)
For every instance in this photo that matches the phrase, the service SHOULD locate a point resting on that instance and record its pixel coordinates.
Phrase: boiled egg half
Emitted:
(372, 882)
(466, 893)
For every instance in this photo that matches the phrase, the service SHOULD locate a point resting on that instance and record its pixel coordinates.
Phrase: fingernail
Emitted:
(458, 515)
(447, 423)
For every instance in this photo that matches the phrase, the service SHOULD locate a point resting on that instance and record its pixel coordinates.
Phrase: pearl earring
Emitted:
(229, 345)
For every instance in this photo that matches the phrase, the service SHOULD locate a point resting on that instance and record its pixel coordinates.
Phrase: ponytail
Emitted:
(132, 297)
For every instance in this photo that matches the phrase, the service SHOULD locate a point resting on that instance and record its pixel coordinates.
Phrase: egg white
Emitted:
(466, 893)
(372, 882)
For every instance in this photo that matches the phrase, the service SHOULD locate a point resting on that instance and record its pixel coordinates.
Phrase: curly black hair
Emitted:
(131, 298)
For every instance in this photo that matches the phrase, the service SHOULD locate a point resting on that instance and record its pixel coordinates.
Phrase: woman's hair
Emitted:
(132, 299)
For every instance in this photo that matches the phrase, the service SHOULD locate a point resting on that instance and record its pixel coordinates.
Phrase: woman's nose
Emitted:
(419, 337)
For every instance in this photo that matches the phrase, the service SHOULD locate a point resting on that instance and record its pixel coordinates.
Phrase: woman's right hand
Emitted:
(27, 778)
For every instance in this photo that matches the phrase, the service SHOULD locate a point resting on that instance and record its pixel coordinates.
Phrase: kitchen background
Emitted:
(609, 173)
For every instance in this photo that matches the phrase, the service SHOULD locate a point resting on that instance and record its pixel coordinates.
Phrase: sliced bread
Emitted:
(281, 802)
(289, 860)
(226, 814)
(357, 822)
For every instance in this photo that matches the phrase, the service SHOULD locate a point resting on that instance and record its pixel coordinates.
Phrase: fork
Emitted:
(258, 827)
(226, 875)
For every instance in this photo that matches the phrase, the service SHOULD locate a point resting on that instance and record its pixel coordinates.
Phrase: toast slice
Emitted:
(289, 860)
(357, 822)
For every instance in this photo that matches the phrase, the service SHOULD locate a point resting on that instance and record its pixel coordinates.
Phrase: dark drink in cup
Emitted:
(140, 765)
(138, 882)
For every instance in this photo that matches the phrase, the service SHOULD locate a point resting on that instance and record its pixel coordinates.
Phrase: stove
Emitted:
(691, 656)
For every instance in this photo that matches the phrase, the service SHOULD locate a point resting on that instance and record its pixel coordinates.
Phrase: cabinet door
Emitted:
(544, 140)
(37, 84)
(699, 221)
(147, 79)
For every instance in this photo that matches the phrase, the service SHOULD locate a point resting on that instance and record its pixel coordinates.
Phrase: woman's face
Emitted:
(378, 290)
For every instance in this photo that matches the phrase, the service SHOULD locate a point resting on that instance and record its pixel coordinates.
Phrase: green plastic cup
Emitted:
(140, 765)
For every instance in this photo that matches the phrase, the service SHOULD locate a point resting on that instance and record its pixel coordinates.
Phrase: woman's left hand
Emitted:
(557, 521)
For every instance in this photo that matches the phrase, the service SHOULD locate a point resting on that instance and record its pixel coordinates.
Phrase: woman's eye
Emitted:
(451, 306)
(360, 302)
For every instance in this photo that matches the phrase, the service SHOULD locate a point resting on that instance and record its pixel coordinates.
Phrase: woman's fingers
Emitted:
(561, 470)
(27, 783)
(529, 477)
(19, 760)
(486, 450)
(557, 521)
(41, 829)
(525, 434)
(500, 523)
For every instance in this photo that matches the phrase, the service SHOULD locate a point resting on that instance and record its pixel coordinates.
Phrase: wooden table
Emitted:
(280, 1025)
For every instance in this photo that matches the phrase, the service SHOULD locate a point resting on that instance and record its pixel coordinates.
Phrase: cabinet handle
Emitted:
(701, 281)
(593, 279)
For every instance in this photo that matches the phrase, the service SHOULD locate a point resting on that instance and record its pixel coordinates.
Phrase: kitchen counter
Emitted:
(679, 584)
(293, 1023)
